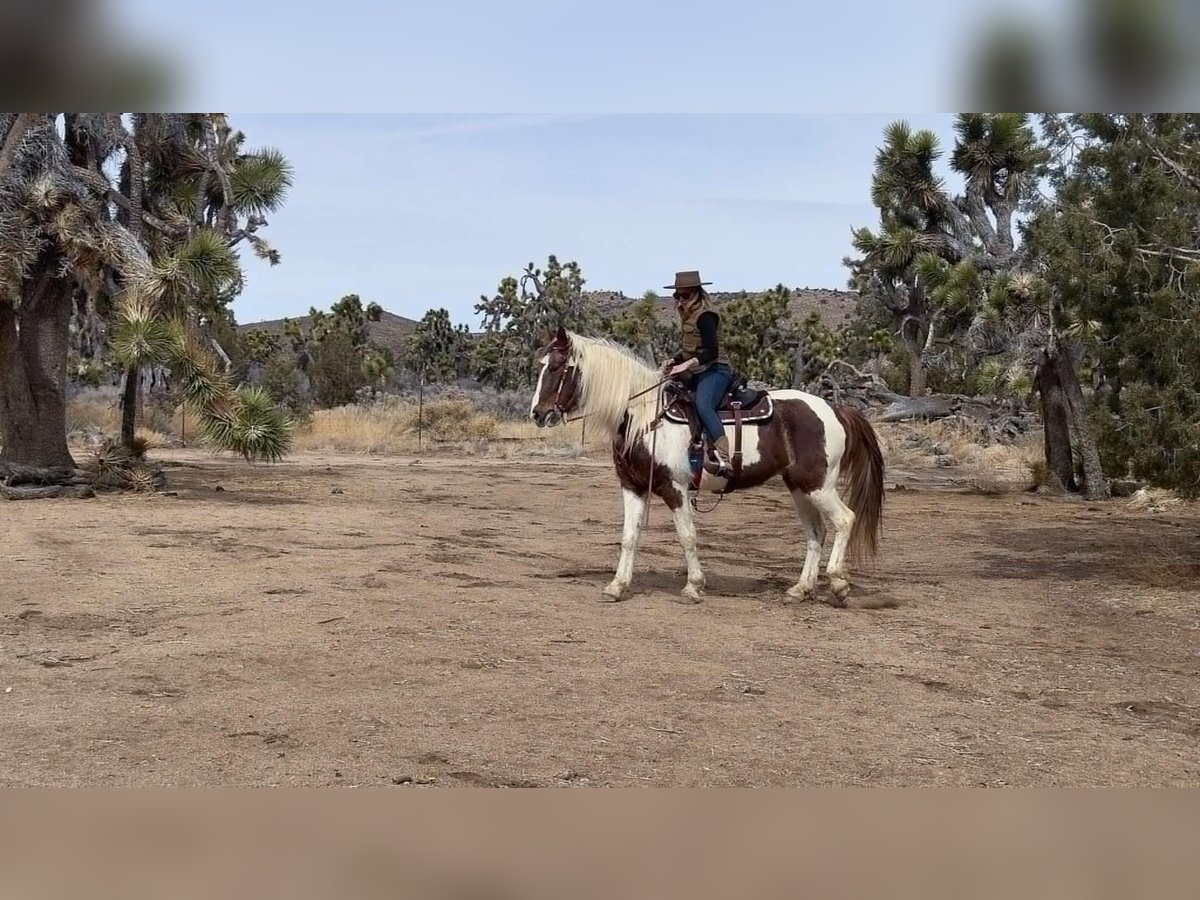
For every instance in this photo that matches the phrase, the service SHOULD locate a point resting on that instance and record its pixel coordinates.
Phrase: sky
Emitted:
(473, 56)
(441, 146)
(419, 211)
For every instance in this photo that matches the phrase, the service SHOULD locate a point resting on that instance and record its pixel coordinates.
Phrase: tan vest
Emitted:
(690, 333)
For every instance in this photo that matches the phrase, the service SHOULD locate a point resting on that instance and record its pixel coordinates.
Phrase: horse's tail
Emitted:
(864, 469)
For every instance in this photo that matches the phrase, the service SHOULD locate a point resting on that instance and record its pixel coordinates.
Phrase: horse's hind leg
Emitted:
(635, 506)
(841, 517)
(814, 531)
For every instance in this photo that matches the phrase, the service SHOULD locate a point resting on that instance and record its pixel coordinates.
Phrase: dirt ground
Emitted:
(348, 620)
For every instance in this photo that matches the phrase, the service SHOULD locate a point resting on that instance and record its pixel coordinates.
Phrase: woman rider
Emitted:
(700, 364)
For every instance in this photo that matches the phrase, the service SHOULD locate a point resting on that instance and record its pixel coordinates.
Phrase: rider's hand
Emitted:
(683, 368)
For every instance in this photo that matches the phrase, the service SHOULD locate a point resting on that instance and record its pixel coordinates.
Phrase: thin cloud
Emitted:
(489, 122)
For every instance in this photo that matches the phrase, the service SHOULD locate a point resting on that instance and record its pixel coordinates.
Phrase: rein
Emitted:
(695, 501)
(657, 384)
(659, 412)
(653, 452)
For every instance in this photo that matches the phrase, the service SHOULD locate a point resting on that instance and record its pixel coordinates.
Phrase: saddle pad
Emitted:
(759, 412)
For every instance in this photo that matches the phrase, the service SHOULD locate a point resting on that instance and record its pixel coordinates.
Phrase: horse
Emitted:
(787, 433)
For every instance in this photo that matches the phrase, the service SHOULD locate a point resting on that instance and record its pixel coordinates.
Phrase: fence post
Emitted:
(420, 408)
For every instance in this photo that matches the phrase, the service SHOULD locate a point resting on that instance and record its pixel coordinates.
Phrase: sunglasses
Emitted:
(683, 295)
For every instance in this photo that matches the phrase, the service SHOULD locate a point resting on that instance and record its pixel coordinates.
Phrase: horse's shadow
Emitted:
(660, 580)
(771, 589)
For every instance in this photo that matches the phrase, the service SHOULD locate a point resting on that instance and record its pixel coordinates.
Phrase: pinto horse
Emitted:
(800, 437)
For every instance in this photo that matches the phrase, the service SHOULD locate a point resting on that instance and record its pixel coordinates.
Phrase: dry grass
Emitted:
(384, 428)
(964, 454)
(354, 429)
(1153, 500)
(1161, 565)
(95, 414)
(459, 424)
(152, 440)
(94, 411)
(451, 424)
(1039, 472)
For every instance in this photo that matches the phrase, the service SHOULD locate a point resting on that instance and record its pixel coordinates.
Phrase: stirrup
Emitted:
(724, 467)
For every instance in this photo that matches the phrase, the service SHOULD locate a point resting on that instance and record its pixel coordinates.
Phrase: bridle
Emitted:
(573, 367)
(562, 385)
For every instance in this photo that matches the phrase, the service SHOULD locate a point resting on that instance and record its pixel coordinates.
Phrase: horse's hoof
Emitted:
(691, 594)
(803, 594)
(612, 593)
(840, 588)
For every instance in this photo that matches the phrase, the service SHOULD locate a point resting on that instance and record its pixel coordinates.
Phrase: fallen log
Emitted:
(110, 468)
(941, 406)
(934, 406)
(15, 473)
(74, 491)
(843, 384)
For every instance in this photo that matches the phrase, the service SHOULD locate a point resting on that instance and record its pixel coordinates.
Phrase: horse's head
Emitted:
(557, 392)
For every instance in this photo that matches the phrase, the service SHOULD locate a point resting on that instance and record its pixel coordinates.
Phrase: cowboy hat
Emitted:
(686, 281)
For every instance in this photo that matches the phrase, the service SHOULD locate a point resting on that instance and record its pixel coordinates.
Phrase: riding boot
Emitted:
(720, 453)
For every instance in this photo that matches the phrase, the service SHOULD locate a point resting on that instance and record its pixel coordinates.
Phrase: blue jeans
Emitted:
(711, 386)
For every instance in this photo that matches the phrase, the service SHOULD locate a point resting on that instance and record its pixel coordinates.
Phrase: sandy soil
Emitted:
(342, 620)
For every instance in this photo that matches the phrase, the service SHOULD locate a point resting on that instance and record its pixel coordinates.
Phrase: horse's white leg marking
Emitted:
(685, 527)
(537, 391)
(814, 531)
(634, 507)
(841, 517)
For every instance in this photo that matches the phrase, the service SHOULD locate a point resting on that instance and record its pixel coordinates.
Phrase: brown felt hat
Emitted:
(686, 281)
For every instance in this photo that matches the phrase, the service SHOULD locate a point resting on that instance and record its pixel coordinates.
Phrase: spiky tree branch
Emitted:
(106, 191)
(12, 140)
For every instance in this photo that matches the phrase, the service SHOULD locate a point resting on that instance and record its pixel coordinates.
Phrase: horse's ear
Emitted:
(561, 339)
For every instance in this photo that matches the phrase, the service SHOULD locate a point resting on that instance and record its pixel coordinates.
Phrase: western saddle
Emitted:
(740, 406)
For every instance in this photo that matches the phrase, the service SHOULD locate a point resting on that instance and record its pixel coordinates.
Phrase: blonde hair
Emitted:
(699, 295)
(611, 374)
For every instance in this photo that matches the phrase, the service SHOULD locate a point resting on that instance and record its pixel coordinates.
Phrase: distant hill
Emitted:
(834, 307)
(390, 331)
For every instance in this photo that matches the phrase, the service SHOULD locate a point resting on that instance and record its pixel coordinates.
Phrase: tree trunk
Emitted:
(1095, 485)
(129, 401)
(1056, 423)
(33, 372)
(916, 367)
(799, 366)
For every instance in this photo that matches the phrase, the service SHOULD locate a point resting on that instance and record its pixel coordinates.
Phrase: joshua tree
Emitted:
(137, 248)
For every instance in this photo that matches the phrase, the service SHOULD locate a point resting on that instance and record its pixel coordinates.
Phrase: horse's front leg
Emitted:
(635, 506)
(685, 527)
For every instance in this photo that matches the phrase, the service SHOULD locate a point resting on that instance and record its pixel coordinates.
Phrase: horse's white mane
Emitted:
(611, 374)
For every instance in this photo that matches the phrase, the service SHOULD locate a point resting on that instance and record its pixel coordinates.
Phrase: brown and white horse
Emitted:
(805, 441)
